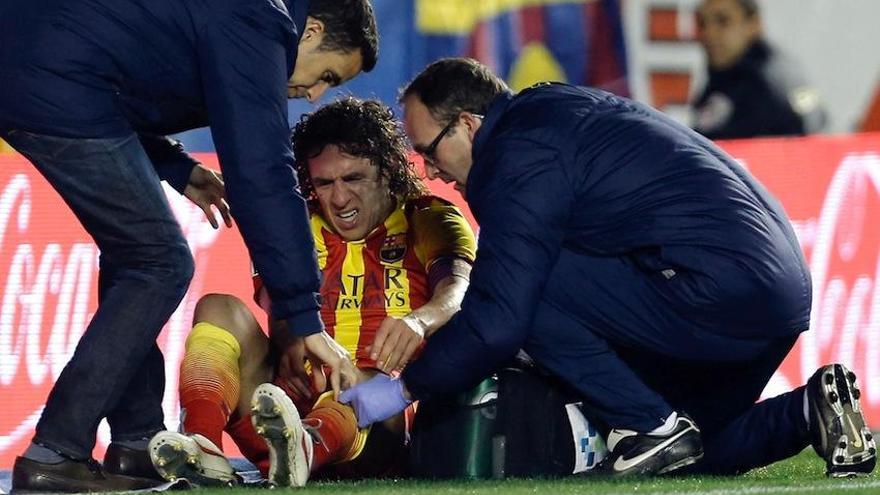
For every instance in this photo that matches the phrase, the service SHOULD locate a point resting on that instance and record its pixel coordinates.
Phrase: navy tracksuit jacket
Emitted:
(608, 229)
(102, 68)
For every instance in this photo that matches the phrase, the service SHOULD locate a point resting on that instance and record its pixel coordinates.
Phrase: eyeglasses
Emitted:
(428, 153)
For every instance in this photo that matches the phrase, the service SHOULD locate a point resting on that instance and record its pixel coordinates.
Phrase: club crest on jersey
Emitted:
(393, 249)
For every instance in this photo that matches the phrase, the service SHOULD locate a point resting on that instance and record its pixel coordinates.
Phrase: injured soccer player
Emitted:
(395, 264)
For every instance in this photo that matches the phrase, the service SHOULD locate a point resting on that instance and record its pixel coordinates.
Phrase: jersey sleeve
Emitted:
(441, 232)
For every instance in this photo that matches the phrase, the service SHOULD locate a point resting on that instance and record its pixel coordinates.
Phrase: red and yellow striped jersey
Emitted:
(385, 274)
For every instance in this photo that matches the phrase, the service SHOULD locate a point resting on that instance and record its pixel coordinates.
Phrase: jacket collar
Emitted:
(490, 120)
(496, 111)
(298, 10)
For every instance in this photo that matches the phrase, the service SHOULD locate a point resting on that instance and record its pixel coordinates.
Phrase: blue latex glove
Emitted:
(376, 399)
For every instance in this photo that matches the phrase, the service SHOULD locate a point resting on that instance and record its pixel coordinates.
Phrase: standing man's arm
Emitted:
(245, 57)
(172, 163)
(203, 186)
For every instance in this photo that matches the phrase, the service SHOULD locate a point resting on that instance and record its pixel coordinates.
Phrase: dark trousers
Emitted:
(117, 370)
(602, 328)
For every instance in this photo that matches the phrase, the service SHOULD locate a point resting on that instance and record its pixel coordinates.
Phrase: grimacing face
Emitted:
(451, 160)
(726, 31)
(355, 199)
(317, 70)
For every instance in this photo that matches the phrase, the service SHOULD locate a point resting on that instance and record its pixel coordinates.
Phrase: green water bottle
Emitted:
(453, 438)
(478, 431)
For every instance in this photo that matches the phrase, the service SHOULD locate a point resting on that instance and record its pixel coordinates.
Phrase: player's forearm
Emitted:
(445, 302)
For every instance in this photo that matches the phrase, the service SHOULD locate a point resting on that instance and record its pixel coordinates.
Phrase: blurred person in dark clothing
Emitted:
(752, 89)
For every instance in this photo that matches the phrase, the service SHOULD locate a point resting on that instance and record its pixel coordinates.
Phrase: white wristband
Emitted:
(415, 324)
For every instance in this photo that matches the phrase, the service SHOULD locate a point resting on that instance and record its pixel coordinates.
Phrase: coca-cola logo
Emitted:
(33, 282)
(49, 295)
(845, 265)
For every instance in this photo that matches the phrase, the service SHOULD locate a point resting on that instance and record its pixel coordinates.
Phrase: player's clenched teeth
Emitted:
(348, 216)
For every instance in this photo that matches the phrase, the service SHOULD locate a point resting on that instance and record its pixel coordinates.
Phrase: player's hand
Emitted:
(205, 188)
(396, 341)
(291, 373)
(324, 351)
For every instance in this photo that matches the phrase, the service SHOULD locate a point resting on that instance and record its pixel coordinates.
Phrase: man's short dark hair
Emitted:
(360, 128)
(348, 25)
(450, 86)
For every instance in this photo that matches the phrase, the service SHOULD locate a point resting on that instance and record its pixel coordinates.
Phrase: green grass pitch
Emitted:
(801, 474)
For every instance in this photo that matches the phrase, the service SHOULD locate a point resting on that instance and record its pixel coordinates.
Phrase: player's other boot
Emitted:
(290, 447)
(192, 457)
(837, 426)
(645, 454)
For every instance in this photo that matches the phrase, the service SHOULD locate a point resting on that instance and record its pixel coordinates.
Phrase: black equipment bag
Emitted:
(523, 423)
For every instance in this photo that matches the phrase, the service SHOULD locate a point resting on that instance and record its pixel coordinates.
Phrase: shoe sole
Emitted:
(848, 444)
(681, 464)
(175, 459)
(276, 419)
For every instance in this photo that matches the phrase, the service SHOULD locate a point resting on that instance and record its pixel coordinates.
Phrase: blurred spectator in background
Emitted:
(752, 89)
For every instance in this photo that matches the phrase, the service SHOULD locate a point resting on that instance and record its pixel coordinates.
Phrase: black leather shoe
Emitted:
(131, 463)
(646, 454)
(29, 476)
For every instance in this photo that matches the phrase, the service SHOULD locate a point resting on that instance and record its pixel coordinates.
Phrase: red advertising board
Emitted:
(830, 187)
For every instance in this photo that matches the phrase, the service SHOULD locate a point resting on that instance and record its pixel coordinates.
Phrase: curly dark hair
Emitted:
(361, 128)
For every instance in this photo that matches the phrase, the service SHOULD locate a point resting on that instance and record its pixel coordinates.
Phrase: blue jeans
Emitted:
(117, 370)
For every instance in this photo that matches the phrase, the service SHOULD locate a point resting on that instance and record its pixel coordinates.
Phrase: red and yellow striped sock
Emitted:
(338, 436)
(251, 445)
(209, 381)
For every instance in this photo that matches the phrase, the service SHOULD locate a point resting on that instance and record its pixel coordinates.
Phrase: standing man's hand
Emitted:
(291, 373)
(205, 188)
(323, 350)
(396, 341)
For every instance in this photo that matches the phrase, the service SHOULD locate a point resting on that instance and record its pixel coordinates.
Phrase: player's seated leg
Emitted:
(344, 451)
(226, 353)
(837, 426)
(191, 457)
(277, 420)
(378, 452)
(328, 435)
